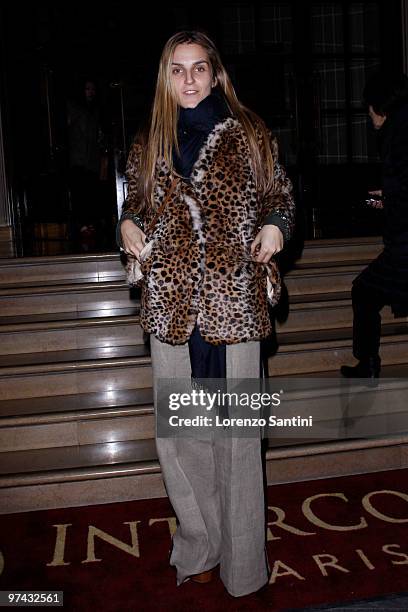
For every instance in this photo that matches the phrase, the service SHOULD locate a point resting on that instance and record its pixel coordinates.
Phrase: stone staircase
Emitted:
(76, 415)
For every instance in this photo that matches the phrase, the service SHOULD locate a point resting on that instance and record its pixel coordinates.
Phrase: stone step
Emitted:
(316, 315)
(64, 333)
(7, 246)
(122, 471)
(139, 424)
(322, 312)
(68, 407)
(67, 268)
(339, 408)
(105, 296)
(75, 371)
(321, 280)
(40, 466)
(92, 418)
(326, 350)
(340, 250)
(77, 428)
(77, 315)
(76, 475)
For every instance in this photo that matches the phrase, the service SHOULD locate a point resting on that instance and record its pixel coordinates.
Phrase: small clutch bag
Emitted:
(133, 266)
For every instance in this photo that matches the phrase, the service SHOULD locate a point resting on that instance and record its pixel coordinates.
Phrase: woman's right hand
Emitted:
(133, 238)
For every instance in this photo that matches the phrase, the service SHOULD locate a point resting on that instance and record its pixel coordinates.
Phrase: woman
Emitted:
(385, 280)
(207, 179)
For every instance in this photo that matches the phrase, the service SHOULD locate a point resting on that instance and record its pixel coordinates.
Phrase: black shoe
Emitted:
(366, 368)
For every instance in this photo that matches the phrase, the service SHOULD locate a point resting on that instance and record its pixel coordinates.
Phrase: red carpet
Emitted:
(350, 542)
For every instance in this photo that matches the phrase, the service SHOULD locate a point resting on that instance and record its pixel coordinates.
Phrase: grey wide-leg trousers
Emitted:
(215, 486)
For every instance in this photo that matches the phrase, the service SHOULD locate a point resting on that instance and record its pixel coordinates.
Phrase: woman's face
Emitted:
(191, 74)
(377, 120)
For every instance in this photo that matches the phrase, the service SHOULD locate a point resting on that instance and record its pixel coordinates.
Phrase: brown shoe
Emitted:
(203, 577)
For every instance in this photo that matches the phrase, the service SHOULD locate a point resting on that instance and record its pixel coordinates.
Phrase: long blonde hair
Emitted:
(161, 136)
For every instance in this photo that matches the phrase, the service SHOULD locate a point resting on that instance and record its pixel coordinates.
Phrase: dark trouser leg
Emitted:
(367, 303)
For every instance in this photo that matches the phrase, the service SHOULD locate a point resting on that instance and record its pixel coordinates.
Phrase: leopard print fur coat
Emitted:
(199, 269)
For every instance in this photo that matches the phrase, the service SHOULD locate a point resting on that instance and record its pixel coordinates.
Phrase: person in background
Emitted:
(87, 167)
(385, 280)
(208, 195)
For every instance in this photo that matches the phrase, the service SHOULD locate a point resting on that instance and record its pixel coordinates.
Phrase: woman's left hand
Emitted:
(267, 243)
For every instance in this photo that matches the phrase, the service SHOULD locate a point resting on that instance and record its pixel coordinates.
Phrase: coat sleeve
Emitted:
(278, 207)
(131, 204)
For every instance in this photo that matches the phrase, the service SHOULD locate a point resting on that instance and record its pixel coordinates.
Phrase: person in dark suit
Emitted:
(385, 280)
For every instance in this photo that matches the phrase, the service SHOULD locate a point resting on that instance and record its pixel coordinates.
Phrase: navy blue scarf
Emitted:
(194, 125)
